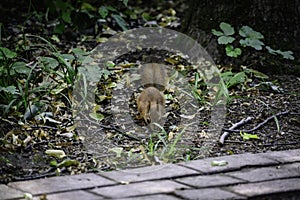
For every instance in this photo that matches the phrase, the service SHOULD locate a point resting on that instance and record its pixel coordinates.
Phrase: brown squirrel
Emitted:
(151, 101)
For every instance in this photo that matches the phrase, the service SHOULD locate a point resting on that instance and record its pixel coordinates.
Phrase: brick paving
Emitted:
(272, 175)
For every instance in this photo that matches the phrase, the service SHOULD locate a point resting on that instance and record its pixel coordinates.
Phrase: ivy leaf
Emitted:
(248, 32)
(227, 28)
(217, 33)
(254, 43)
(120, 21)
(225, 39)
(233, 52)
(271, 51)
(285, 54)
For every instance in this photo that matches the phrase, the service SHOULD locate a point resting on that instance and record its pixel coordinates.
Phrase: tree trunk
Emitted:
(278, 21)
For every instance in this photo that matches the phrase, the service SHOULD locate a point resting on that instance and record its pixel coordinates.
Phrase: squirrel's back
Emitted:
(153, 74)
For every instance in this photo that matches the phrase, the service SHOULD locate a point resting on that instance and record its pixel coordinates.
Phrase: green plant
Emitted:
(195, 89)
(248, 38)
(163, 146)
(23, 85)
(10, 70)
(241, 78)
(80, 14)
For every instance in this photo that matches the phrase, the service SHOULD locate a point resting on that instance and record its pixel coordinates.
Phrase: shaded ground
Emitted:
(31, 162)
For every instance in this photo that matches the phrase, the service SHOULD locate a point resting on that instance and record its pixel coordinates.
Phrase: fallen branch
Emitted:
(242, 122)
(113, 128)
(234, 126)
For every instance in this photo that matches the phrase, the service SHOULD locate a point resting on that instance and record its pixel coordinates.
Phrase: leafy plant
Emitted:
(22, 84)
(241, 78)
(249, 38)
(225, 38)
(10, 69)
(164, 146)
(232, 79)
(106, 11)
(80, 14)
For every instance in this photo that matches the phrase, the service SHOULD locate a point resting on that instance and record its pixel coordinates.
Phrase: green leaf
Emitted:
(21, 68)
(10, 89)
(226, 76)
(66, 16)
(217, 33)
(68, 163)
(80, 54)
(97, 116)
(146, 16)
(110, 8)
(6, 53)
(238, 78)
(225, 39)
(271, 51)
(48, 62)
(87, 6)
(110, 64)
(103, 11)
(256, 73)
(53, 163)
(233, 52)
(247, 136)
(287, 54)
(125, 2)
(226, 28)
(254, 43)
(248, 32)
(120, 21)
(59, 29)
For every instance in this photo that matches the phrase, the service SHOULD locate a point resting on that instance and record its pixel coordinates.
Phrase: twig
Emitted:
(43, 127)
(231, 130)
(48, 173)
(114, 128)
(6, 120)
(234, 126)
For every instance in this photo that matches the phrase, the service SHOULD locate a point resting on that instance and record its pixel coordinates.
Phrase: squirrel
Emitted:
(151, 101)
